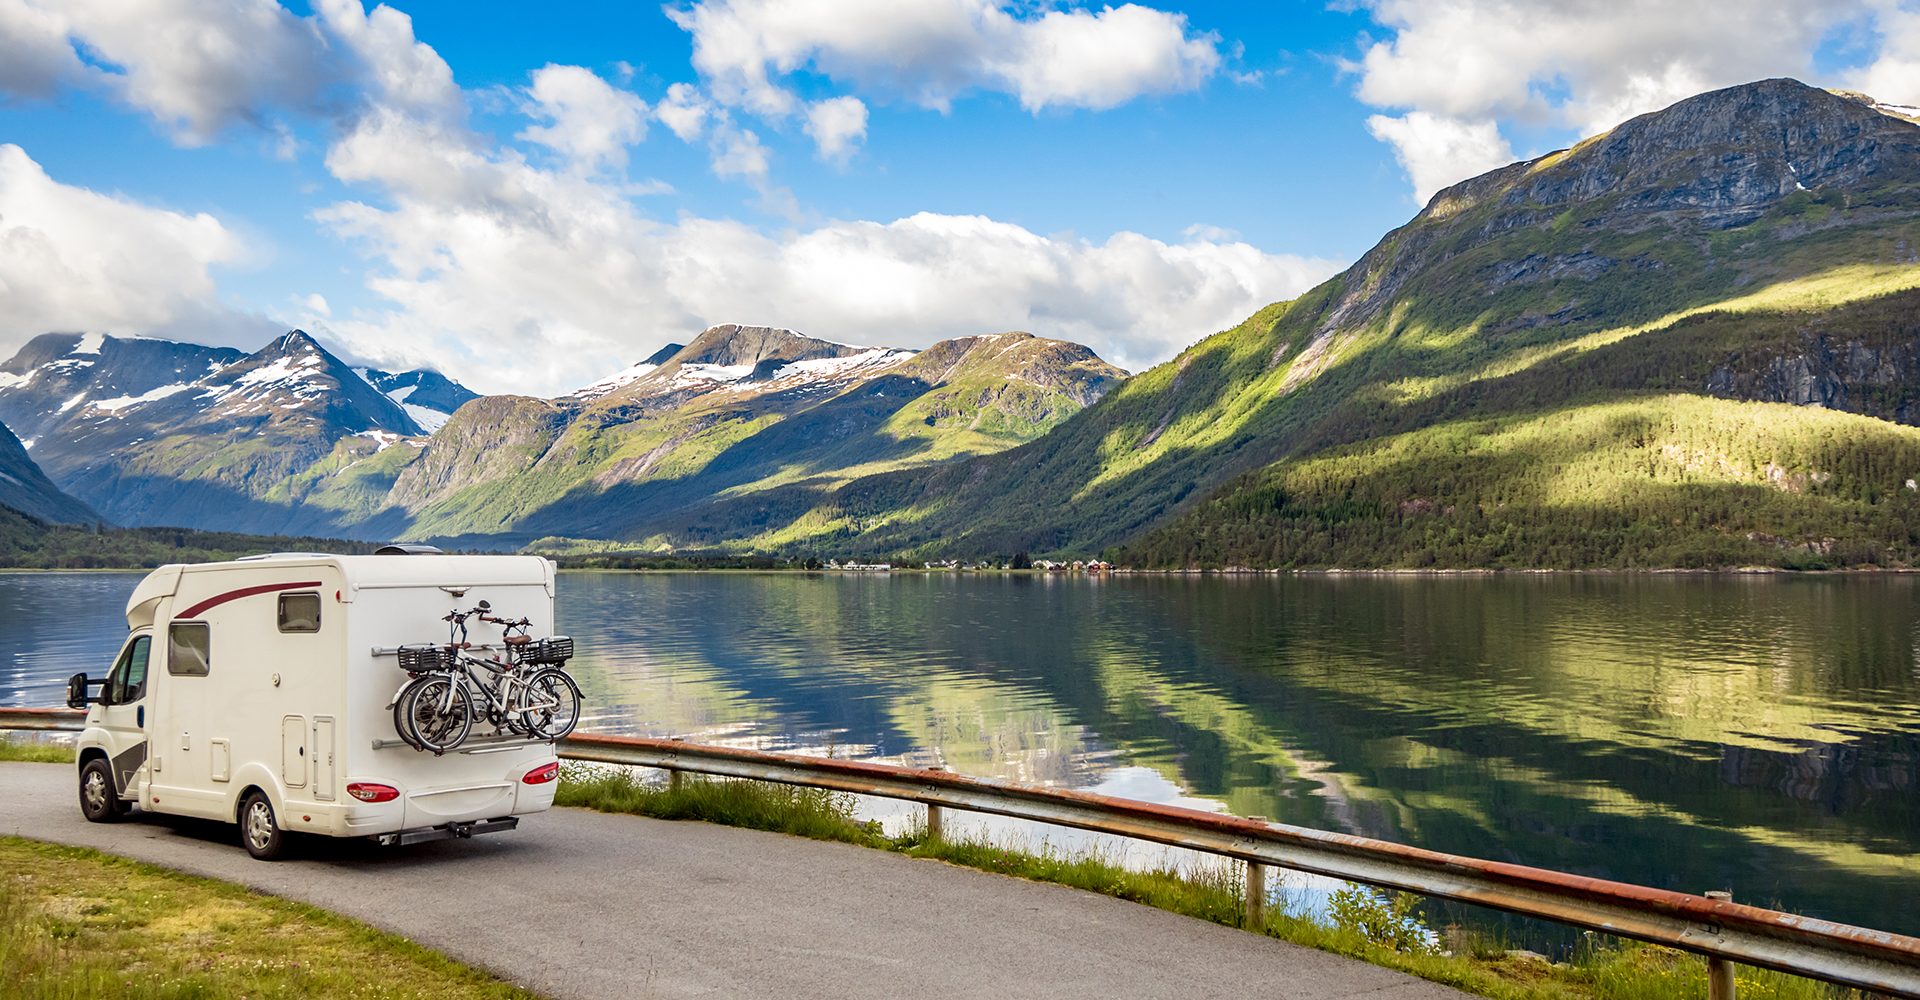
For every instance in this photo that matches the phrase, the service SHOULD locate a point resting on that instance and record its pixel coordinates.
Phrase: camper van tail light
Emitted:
(543, 774)
(367, 791)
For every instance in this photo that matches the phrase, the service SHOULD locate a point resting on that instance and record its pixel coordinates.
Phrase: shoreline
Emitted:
(1230, 571)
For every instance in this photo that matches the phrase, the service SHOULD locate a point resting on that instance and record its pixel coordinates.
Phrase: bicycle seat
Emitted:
(518, 640)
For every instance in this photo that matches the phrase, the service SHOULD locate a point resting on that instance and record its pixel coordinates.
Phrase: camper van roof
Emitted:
(373, 572)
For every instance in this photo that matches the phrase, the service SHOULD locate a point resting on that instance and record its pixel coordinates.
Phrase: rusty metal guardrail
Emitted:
(1721, 930)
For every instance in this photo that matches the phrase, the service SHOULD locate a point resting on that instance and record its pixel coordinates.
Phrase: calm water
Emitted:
(1692, 733)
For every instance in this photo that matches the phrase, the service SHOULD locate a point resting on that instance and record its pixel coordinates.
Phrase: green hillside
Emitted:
(618, 466)
(1686, 273)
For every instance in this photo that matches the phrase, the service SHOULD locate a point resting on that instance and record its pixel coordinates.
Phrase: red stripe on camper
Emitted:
(234, 595)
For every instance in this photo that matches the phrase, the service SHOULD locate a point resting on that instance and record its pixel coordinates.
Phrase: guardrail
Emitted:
(1719, 929)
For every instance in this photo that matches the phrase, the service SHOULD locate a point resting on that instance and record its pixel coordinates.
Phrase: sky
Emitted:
(528, 197)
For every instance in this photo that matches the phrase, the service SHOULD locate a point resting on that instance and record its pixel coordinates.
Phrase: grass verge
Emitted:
(78, 923)
(1369, 926)
(13, 748)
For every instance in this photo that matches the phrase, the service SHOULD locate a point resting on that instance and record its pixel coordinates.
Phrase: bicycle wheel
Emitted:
(437, 713)
(552, 703)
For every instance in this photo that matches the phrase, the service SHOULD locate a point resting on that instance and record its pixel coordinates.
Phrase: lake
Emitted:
(1690, 732)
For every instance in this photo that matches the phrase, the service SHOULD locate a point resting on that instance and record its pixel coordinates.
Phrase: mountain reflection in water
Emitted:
(1754, 733)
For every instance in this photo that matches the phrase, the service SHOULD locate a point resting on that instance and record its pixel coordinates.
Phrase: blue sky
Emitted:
(875, 171)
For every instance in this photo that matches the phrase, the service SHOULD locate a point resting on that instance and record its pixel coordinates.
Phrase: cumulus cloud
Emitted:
(684, 110)
(395, 69)
(491, 265)
(1894, 74)
(837, 125)
(1585, 65)
(75, 259)
(1436, 150)
(195, 65)
(35, 57)
(201, 66)
(737, 152)
(931, 51)
(591, 121)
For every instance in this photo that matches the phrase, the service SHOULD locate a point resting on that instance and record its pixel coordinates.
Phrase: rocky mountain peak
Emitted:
(730, 345)
(1729, 152)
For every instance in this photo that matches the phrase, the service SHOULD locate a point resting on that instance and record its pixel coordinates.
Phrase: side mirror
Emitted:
(77, 691)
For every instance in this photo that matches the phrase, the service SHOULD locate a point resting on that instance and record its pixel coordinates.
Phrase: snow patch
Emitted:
(75, 401)
(691, 373)
(122, 402)
(28, 444)
(825, 368)
(614, 381)
(89, 344)
(400, 395)
(8, 379)
(428, 419)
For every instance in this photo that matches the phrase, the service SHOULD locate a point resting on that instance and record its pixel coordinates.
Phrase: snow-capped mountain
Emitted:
(426, 395)
(159, 432)
(626, 375)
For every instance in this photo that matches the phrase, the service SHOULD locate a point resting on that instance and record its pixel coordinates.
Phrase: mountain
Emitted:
(156, 432)
(1688, 341)
(24, 489)
(626, 375)
(427, 396)
(737, 412)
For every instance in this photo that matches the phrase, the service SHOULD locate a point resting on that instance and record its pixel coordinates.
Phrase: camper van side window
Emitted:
(299, 612)
(128, 682)
(188, 653)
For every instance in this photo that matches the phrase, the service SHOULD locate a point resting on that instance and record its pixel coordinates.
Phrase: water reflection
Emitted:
(1754, 733)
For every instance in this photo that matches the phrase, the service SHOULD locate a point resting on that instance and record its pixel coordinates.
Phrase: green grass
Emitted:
(13, 748)
(1606, 969)
(76, 923)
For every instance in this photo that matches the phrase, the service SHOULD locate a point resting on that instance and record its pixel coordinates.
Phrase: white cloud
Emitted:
(195, 65)
(1586, 65)
(74, 259)
(593, 122)
(1437, 151)
(35, 56)
(397, 70)
(737, 152)
(490, 265)
(837, 125)
(201, 66)
(684, 110)
(1894, 74)
(931, 51)
(316, 304)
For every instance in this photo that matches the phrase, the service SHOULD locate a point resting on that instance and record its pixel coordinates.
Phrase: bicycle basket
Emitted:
(552, 649)
(420, 658)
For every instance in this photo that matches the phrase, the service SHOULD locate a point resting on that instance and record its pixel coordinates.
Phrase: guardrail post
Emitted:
(673, 774)
(936, 816)
(1256, 898)
(1719, 970)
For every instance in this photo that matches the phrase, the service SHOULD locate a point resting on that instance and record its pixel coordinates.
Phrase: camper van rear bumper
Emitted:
(450, 831)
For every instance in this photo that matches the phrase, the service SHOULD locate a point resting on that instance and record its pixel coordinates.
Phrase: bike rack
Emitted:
(479, 744)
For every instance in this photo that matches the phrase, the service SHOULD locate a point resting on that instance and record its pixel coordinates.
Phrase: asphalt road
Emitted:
(580, 904)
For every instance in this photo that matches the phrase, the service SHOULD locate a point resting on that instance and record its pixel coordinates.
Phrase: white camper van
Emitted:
(259, 692)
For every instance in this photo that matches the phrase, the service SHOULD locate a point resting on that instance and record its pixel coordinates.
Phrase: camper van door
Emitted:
(123, 711)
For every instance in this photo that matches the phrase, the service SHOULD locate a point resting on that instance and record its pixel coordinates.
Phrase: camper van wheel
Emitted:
(259, 833)
(98, 801)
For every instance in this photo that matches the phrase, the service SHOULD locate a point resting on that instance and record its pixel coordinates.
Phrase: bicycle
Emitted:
(434, 711)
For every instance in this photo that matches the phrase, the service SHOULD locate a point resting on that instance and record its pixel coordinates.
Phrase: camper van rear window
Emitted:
(188, 649)
(299, 612)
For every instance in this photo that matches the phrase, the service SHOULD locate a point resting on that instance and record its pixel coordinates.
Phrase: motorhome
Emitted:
(260, 692)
